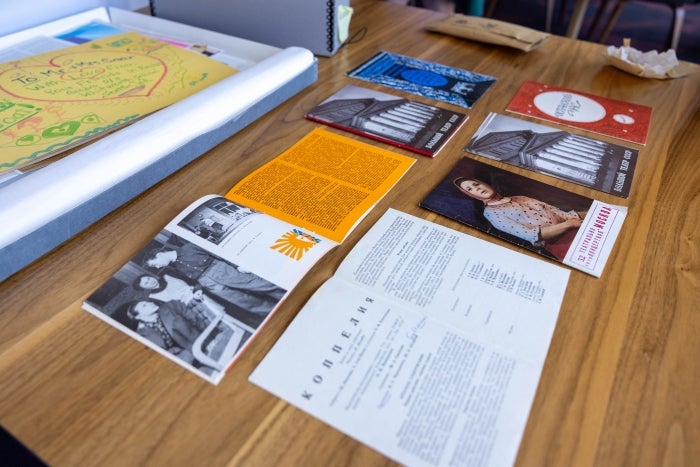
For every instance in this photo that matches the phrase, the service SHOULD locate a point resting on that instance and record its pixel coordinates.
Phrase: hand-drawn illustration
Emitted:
(53, 101)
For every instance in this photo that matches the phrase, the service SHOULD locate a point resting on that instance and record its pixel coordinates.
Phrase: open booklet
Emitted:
(427, 344)
(212, 277)
(558, 224)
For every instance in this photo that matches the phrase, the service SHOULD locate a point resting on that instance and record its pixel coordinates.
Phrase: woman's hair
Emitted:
(153, 253)
(131, 312)
(458, 183)
(477, 205)
(124, 315)
(136, 284)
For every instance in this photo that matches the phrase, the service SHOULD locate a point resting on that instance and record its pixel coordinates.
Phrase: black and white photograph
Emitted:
(405, 123)
(214, 219)
(186, 303)
(594, 163)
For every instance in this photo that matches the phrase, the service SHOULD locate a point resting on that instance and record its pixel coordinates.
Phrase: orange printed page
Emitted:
(325, 183)
(52, 101)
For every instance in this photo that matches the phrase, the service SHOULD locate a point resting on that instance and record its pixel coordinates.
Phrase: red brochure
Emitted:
(610, 117)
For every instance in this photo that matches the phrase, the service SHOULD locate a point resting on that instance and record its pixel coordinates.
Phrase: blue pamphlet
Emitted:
(432, 80)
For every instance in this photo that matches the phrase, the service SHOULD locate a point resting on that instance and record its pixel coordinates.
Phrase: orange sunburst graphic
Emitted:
(295, 243)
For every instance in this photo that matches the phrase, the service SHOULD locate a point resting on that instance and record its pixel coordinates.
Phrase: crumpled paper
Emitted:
(489, 30)
(651, 64)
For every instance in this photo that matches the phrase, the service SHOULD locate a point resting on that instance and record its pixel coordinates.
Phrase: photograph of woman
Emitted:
(529, 213)
(530, 219)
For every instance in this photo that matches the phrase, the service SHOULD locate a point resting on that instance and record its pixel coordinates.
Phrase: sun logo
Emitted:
(295, 243)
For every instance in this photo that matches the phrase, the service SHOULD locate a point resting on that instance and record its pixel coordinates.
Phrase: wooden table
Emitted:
(621, 383)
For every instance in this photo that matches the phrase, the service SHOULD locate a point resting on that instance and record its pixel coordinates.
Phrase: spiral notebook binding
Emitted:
(258, 21)
(330, 25)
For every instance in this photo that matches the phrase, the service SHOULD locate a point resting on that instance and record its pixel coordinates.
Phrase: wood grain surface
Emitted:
(621, 383)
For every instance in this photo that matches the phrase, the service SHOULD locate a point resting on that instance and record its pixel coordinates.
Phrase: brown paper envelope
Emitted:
(490, 31)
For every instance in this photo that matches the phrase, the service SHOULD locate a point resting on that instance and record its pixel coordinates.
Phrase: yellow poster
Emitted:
(52, 101)
(325, 183)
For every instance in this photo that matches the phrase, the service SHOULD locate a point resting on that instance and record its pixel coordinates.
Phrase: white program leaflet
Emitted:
(427, 345)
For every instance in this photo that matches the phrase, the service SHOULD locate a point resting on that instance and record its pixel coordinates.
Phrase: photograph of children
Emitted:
(528, 213)
(214, 219)
(181, 299)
